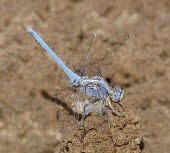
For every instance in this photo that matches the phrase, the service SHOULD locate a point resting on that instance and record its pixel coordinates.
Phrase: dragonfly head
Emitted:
(117, 95)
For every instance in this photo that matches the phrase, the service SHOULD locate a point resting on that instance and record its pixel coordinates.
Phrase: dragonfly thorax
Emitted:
(94, 87)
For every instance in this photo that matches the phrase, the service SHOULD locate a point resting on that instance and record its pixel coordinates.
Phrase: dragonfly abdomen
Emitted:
(73, 77)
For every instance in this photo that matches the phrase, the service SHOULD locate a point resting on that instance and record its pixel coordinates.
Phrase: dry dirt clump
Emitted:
(125, 136)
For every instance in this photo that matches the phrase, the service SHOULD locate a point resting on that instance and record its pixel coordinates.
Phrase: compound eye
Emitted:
(121, 95)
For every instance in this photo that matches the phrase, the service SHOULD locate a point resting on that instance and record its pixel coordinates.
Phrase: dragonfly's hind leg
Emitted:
(88, 108)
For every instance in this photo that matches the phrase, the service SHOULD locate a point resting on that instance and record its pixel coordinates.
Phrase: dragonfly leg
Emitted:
(88, 108)
(113, 110)
(105, 118)
(84, 129)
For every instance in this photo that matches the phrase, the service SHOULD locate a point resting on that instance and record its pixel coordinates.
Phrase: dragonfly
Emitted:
(92, 86)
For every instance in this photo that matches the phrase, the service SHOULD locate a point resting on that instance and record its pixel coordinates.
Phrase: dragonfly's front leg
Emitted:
(100, 112)
(108, 104)
(106, 119)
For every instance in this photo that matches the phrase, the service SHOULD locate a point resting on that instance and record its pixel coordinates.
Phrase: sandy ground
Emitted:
(29, 79)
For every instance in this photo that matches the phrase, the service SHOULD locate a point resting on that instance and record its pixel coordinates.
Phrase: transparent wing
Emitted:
(111, 48)
(94, 54)
(83, 51)
(68, 110)
(65, 116)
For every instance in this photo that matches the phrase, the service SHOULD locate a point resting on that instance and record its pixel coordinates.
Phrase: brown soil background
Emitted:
(27, 75)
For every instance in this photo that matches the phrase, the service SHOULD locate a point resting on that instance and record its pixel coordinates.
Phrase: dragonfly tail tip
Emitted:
(28, 29)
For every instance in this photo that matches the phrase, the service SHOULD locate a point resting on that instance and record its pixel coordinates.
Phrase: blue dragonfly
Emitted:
(95, 87)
